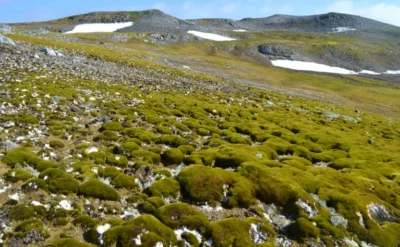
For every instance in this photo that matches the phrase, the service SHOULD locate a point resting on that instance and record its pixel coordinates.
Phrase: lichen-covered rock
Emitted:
(7, 41)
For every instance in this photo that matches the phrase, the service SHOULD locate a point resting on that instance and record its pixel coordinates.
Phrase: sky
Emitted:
(40, 10)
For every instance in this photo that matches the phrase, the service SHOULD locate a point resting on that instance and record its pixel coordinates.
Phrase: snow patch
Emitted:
(35, 203)
(240, 30)
(343, 29)
(350, 242)
(101, 230)
(100, 27)
(393, 72)
(210, 36)
(14, 197)
(138, 240)
(159, 244)
(105, 180)
(316, 67)
(91, 150)
(310, 66)
(368, 72)
(65, 204)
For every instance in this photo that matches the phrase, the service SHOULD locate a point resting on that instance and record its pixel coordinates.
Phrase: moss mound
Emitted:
(125, 181)
(15, 175)
(56, 144)
(173, 140)
(206, 184)
(95, 188)
(59, 181)
(167, 187)
(178, 215)
(236, 232)
(172, 156)
(148, 228)
(67, 242)
(112, 126)
(303, 229)
(22, 156)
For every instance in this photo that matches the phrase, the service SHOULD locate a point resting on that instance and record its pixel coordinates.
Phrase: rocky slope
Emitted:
(106, 153)
(157, 21)
(325, 23)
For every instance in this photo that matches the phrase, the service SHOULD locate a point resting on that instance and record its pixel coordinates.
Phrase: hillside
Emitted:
(157, 21)
(324, 23)
(145, 137)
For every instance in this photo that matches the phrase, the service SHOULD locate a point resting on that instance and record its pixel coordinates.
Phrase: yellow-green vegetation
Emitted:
(235, 232)
(97, 189)
(67, 242)
(172, 156)
(205, 163)
(178, 215)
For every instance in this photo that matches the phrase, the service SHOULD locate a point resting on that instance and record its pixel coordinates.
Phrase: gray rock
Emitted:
(49, 52)
(337, 219)
(9, 145)
(5, 29)
(379, 213)
(371, 141)
(276, 52)
(145, 175)
(33, 236)
(7, 41)
(331, 115)
(9, 124)
(75, 109)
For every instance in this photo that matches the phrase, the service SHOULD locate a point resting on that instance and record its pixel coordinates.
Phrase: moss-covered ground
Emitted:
(111, 164)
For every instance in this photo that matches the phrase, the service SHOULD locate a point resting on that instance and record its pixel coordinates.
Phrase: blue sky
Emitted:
(39, 10)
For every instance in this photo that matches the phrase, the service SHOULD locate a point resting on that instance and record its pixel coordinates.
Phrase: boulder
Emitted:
(9, 145)
(5, 29)
(49, 52)
(275, 52)
(5, 40)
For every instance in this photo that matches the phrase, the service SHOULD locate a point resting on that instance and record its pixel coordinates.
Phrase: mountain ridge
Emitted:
(156, 20)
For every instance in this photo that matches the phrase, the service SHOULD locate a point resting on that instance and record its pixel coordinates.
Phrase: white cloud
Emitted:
(383, 12)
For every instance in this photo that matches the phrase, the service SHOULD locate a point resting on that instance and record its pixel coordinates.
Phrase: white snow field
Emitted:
(210, 36)
(369, 72)
(240, 30)
(100, 27)
(343, 29)
(309, 66)
(393, 72)
(316, 67)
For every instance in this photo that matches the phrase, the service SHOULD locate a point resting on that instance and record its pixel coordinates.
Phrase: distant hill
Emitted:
(316, 23)
(158, 21)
